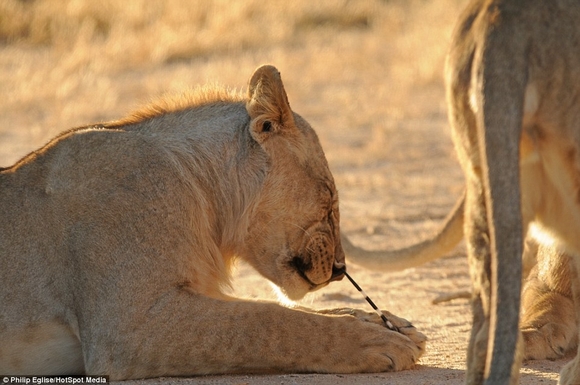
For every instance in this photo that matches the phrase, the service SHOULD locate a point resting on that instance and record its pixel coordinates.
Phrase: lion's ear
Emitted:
(267, 104)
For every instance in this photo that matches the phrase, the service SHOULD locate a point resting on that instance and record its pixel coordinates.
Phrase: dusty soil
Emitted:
(367, 76)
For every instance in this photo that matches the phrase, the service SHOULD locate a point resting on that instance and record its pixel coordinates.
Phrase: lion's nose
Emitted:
(338, 270)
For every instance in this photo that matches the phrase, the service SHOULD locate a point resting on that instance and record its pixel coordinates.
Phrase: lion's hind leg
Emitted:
(548, 315)
(571, 371)
(479, 258)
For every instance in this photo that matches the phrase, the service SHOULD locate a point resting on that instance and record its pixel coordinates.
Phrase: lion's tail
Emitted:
(448, 236)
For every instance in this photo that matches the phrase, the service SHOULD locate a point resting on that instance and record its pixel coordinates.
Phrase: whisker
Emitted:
(300, 227)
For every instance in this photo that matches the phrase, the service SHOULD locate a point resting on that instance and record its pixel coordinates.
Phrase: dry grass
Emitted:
(152, 32)
(68, 62)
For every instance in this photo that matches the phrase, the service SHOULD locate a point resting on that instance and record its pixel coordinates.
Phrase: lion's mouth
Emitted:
(302, 267)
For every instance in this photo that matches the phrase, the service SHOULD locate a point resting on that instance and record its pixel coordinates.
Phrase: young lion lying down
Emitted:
(115, 240)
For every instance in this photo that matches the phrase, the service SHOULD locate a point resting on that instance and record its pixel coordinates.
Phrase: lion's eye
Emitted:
(266, 126)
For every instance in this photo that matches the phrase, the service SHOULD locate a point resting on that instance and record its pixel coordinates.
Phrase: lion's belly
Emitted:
(550, 181)
(41, 349)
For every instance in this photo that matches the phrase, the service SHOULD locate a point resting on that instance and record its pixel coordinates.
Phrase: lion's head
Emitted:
(294, 237)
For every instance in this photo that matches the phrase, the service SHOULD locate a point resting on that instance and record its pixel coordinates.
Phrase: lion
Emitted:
(117, 240)
(512, 77)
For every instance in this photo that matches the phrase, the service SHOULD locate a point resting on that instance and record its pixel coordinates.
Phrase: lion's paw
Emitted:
(549, 342)
(392, 350)
(404, 348)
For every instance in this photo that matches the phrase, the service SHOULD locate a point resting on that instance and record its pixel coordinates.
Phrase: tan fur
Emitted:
(116, 240)
(512, 83)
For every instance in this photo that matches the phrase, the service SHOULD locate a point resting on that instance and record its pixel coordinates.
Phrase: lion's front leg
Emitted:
(188, 334)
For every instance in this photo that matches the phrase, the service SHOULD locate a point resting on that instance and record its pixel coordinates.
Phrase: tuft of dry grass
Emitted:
(162, 31)
(71, 62)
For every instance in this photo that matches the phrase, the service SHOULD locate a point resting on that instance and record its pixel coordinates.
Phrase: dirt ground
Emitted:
(368, 75)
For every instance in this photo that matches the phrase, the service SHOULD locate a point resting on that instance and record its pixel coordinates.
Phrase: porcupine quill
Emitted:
(388, 323)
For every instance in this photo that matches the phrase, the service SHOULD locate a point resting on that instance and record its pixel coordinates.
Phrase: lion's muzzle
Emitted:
(318, 264)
